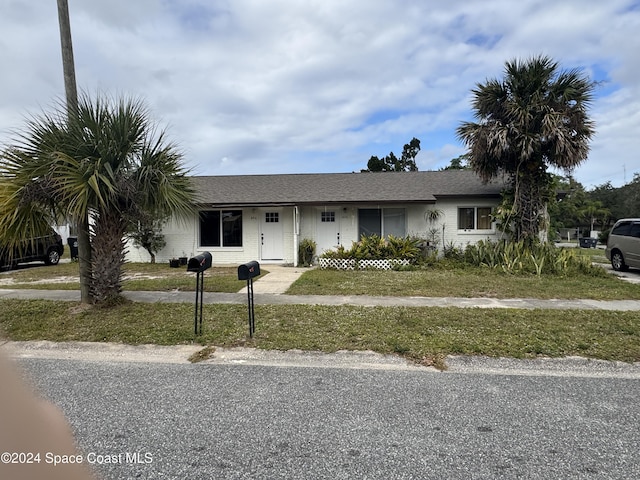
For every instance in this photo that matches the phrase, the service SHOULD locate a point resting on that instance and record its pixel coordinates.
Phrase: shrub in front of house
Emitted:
(306, 252)
(375, 252)
(521, 257)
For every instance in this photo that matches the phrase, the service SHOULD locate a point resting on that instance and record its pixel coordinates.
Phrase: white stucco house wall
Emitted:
(265, 217)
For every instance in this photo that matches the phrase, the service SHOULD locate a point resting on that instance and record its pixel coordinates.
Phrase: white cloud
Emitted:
(248, 86)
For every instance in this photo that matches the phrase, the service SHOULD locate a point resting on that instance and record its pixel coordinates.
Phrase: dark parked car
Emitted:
(623, 245)
(47, 249)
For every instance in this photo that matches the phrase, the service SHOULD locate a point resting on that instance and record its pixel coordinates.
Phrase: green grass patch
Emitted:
(419, 334)
(468, 282)
(594, 254)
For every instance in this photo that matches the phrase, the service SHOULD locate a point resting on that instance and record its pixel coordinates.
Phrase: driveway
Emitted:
(632, 275)
(250, 414)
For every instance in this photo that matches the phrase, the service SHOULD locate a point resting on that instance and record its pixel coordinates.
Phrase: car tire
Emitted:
(53, 257)
(617, 262)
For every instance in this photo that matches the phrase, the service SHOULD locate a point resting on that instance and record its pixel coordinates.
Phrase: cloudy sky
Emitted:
(305, 86)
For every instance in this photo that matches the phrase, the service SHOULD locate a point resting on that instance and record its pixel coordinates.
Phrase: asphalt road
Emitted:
(262, 420)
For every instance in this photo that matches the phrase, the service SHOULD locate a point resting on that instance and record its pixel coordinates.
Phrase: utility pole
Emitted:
(68, 66)
(71, 91)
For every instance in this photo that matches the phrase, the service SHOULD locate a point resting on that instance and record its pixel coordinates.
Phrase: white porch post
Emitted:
(296, 235)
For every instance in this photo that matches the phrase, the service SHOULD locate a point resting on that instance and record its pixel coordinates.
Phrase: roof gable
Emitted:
(326, 188)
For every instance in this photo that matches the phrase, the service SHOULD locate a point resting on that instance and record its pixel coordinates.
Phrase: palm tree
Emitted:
(106, 162)
(593, 211)
(534, 118)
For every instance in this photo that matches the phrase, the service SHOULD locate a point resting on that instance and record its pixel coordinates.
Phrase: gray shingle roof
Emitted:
(327, 188)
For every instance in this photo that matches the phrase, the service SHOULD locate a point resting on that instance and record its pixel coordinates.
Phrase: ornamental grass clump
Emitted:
(524, 257)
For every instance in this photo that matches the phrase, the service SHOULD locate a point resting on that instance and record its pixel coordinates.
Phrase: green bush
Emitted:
(306, 252)
(373, 247)
(450, 251)
(370, 247)
(508, 257)
(405, 247)
(340, 253)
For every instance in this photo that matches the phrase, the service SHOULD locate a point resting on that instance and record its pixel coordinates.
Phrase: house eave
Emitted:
(467, 195)
(314, 203)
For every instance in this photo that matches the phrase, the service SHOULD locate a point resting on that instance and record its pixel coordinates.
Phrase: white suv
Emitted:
(623, 246)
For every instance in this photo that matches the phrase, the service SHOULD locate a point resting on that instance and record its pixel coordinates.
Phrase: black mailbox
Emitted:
(199, 263)
(248, 270)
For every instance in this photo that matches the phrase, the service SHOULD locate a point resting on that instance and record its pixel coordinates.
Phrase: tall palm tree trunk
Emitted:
(84, 260)
(108, 254)
(529, 205)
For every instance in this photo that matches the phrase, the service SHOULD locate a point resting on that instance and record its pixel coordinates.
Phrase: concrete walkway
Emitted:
(361, 300)
(269, 290)
(278, 280)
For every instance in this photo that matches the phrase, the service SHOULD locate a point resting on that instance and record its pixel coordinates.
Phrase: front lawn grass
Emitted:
(441, 280)
(467, 282)
(423, 335)
(138, 276)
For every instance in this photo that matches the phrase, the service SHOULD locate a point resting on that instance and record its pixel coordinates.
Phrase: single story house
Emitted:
(265, 217)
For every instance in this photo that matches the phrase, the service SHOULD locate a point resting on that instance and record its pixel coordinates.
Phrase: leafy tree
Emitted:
(594, 211)
(391, 163)
(147, 233)
(535, 117)
(458, 163)
(610, 198)
(105, 160)
(573, 206)
(565, 205)
(622, 202)
(631, 197)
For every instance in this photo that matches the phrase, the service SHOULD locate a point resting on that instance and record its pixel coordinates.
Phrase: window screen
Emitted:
(369, 222)
(393, 222)
(484, 219)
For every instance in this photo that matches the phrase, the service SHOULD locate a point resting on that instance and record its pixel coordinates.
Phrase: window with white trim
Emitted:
(221, 228)
(474, 218)
(382, 222)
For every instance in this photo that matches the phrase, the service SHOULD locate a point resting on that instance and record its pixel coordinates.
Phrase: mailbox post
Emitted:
(199, 264)
(248, 271)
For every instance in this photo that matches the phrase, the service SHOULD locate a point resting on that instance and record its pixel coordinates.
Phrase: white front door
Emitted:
(271, 236)
(328, 230)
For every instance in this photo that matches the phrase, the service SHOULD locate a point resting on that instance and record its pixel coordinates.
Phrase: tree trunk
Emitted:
(528, 207)
(84, 260)
(108, 250)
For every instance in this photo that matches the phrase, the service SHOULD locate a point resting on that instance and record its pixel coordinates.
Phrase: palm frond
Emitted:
(107, 157)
